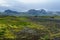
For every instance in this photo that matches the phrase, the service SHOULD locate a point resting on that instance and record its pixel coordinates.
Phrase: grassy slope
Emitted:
(19, 23)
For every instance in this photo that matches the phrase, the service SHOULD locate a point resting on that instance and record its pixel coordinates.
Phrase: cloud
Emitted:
(31, 1)
(37, 1)
(22, 5)
(4, 3)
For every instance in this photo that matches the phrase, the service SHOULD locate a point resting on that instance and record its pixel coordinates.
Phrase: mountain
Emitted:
(41, 12)
(10, 12)
(57, 13)
(31, 12)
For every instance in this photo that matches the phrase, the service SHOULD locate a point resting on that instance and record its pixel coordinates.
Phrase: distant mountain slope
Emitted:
(31, 12)
(41, 12)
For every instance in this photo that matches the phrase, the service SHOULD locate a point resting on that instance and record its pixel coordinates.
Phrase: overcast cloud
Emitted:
(23, 5)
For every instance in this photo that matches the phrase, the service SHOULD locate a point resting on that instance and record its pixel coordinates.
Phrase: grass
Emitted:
(19, 23)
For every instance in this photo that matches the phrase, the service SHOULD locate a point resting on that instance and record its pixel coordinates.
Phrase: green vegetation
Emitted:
(26, 28)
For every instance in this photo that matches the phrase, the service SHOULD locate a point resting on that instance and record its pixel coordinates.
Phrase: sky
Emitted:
(24, 5)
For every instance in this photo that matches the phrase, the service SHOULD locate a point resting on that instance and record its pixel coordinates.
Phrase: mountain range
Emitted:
(31, 12)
